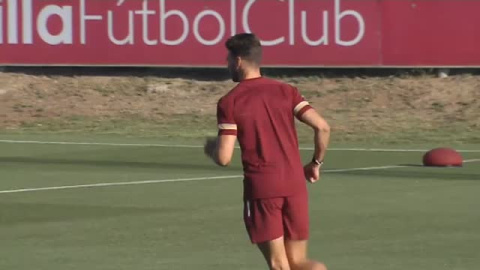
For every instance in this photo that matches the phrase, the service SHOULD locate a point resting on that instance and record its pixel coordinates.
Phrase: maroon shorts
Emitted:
(269, 219)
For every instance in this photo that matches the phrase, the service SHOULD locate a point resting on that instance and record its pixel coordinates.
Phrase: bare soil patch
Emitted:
(414, 107)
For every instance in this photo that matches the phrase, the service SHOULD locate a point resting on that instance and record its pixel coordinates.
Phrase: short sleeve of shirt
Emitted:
(299, 104)
(225, 118)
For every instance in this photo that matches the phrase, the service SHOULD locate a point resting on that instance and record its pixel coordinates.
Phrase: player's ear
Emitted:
(239, 61)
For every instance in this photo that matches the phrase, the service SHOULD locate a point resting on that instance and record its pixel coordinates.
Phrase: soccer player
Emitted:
(261, 113)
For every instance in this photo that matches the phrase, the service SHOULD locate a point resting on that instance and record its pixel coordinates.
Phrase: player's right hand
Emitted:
(210, 147)
(312, 172)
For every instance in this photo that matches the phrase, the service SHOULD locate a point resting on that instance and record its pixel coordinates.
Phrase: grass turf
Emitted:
(398, 218)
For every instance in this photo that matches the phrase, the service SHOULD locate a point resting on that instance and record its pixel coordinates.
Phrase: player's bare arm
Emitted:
(321, 140)
(220, 149)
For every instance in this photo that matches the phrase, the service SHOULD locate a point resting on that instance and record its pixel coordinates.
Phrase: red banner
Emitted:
(192, 32)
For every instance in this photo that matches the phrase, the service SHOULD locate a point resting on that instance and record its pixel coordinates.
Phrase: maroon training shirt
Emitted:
(260, 112)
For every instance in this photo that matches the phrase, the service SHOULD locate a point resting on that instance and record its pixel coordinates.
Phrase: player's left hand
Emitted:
(312, 172)
(210, 147)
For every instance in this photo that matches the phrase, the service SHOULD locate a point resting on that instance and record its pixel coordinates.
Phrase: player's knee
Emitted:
(296, 264)
(319, 266)
(307, 265)
(279, 265)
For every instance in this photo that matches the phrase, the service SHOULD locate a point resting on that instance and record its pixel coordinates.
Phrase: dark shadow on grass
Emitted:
(201, 74)
(423, 166)
(110, 163)
(28, 213)
(220, 73)
(439, 173)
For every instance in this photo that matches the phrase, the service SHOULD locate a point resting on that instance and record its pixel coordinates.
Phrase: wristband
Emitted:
(317, 162)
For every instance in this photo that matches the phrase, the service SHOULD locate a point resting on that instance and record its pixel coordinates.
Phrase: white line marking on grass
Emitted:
(390, 150)
(104, 144)
(388, 167)
(172, 180)
(366, 168)
(200, 146)
(108, 184)
(120, 183)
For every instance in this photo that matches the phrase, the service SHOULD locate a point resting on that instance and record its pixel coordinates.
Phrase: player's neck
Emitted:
(251, 74)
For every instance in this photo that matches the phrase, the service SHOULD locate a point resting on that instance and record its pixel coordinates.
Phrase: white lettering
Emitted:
(130, 35)
(233, 14)
(246, 26)
(27, 22)
(323, 39)
(246, 10)
(145, 12)
(20, 20)
(338, 18)
(196, 23)
(163, 21)
(65, 36)
(12, 22)
(83, 19)
(1, 23)
(291, 23)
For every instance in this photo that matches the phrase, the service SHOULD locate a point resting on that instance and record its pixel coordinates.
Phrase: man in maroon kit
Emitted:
(261, 113)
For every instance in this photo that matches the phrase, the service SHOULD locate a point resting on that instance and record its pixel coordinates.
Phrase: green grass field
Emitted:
(405, 217)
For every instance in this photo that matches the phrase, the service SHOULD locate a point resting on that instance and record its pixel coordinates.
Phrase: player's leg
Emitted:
(263, 221)
(274, 253)
(297, 256)
(296, 223)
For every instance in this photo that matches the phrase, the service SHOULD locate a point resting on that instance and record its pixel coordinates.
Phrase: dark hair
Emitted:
(245, 45)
